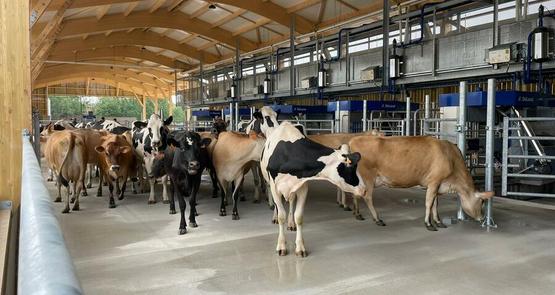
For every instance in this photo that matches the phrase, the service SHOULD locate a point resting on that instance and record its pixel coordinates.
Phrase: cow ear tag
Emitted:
(347, 160)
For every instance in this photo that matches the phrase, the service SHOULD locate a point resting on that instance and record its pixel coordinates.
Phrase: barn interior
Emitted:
(476, 74)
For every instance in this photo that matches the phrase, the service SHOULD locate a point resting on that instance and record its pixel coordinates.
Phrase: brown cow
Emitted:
(117, 161)
(232, 157)
(92, 139)
(66, 155)
(405, 162)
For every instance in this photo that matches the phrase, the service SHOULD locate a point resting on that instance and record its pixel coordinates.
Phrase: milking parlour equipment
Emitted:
(314, 118)
(201, 120)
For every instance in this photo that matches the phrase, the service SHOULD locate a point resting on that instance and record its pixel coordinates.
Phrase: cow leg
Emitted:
(111, 202)
(369, 199)
(172, 196)
(291, 217)
(90, 168)
(151, 198)
(301, 200)
(193, 201)
(214, 179)
(122, 191)
(238, 185)
(275, 216)
(182, 207)
(100, 179)
(78, 187)
(356, 211)
(338, 197)
(66, 209)
(165, 190)
(241, 193)
(270, 198)
(73, 189)
(225, 191)
(431, 194)
(437, 220)
(118, 189)
(59, 184)
(344, 201)
(50, 175)
(84, 190)
(256, 181)
(280, 248)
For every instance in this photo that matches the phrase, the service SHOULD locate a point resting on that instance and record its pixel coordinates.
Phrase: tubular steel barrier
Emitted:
(394, 127)
(315, 126)
(45, 266)
(516, 166)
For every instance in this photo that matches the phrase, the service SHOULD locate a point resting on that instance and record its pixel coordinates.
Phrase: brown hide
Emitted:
(116, 150)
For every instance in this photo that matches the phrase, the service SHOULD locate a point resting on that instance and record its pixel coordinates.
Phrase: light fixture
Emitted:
(211, 6)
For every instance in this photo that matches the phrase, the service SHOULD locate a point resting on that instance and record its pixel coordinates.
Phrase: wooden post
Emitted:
(15, 94)
(144, 108)
(171, 107)
(156, 109)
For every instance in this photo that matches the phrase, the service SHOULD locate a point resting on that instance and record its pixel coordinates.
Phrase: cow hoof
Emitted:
(196, 213)
(274, 221)
(58, 200)
(347, 208)
(66, 210)
(193, 224)
(431, 227)
(282, 252)
(292, 228)
(182, 231)
(223, 213)
(172, 211)
(150, 202)
(89, 185)
(301, 253)
(380, 222)
(440, 224)
(340, 205)
(235, 216)
(76, 207)
(359, 217)
(112, 206)
(165, 202)
(121, 198)
(256, 201)
(272, 207)
(84, 194)
(72, 200)
(49, 179)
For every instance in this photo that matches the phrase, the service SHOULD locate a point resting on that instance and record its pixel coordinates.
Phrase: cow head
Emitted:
(187, 148)
(218, 126)
(113, 149)
(265, 120)
(342, 171)
(472, 203)
(158, 131)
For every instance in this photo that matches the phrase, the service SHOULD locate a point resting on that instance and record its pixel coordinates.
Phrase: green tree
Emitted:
(117, 107)
(178, 115)
(66, 107)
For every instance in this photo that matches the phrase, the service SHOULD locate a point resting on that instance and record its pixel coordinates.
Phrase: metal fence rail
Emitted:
(317, 126)
(517, 166)
(395, 127)
(45, 266)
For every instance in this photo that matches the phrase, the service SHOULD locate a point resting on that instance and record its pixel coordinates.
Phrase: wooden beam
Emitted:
(50, 30)
(111, 81)
(15, 99)
(157, 4)
(37, 10)
(251, 27)
(59, 78)
(303, 5)
(202, 10)
(176, 4)
(161, 19)
(118, 51)
(228, 18)
(321, 11)
(91, 3)
(273, 12)
(130, 7)
(102, 10)
(347, 4)
(133, 38)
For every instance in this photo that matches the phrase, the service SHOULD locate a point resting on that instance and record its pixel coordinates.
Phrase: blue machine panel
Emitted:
(371, 105)
(294, 109)
(242, 112)
(207, 113)
(502, 98)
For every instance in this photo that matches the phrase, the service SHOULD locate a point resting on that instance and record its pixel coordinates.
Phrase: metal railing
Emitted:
(517, 166)
(394, 127)
(45, 266)
(194, 126)
(315, 126)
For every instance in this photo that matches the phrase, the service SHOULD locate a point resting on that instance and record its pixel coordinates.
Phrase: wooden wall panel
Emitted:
(15, 93)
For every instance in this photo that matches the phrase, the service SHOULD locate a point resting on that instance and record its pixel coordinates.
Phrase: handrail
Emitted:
(45, 266)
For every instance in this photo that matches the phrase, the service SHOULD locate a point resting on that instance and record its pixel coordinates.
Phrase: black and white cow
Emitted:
(183, 161)
(290, 160)
(148, 139)
(108, 125)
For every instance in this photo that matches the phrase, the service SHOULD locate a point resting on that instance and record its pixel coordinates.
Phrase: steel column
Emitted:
(385, 39)
(427, 114)
(231, 117)
(461, 137)
(236, 116)
(490, 125)
(364, 115)
(292, 57)
(407, 119)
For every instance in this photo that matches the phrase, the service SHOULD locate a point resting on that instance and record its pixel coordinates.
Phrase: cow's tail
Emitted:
(69, 150)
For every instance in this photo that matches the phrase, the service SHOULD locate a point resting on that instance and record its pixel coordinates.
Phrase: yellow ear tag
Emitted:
(348, 161)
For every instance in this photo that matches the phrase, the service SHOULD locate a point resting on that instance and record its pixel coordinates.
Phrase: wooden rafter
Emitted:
(347, 4)
(157, 4)
(102, 10)
(303, 5)
(202, 10)
(130, 7)
(176, 4)
(251, 27)
(228, 18)
(38, 7)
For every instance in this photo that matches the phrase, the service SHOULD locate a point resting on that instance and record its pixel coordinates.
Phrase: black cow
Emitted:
(183, 161)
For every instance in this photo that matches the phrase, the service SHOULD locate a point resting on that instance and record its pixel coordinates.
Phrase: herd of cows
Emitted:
(281, 157)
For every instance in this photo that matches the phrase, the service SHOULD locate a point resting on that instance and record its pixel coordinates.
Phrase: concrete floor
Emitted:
(135, 249)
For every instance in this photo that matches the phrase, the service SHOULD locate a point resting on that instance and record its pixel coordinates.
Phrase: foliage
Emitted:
(66, 107)
(117, 107)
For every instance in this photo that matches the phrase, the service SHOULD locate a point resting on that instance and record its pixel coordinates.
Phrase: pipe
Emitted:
(490, 125)
(407, 115)
(422, 16)
(461, 138)
(45, 266)
(427, 113)
(364, 115)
